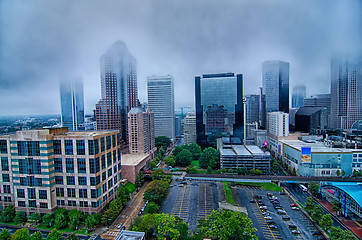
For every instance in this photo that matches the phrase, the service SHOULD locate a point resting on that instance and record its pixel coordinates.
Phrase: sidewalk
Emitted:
(347, 221)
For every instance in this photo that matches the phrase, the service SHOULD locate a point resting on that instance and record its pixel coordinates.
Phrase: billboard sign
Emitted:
(306, 154)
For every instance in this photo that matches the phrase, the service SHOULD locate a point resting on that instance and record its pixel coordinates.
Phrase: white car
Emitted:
(119, 225)
(295, 208)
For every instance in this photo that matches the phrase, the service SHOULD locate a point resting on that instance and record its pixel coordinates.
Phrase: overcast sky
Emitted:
(43, 42)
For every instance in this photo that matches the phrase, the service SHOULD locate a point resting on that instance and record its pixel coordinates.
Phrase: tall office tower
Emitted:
(160, 90)
(262, 110)
(346, 92)
(141, 131)
(252, 108)
(190, 128)
(278, 124)
(219, 107)
(178, 126)
(276, 86)
(72, 105)
(298, 96)
(118, 89)
(320, 100)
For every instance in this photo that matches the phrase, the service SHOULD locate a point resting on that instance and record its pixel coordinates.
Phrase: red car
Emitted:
(293, 205)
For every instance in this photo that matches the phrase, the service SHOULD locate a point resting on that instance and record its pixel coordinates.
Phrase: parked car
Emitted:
(292, 227)
(258, 197)
(282, 193)
(123, 228)
(263, 207)
(269, 194)
(277, 207)
(119, 225)
(268, 218)
(252, 201)
(270, 222)
(282, 212)
(295, 208)
(273, 227)
(293, 205)
(286, 218)
(317, 233)
(295, 231)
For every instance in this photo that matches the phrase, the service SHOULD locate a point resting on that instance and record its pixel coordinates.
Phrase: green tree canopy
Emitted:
(35, 217)
(210, 157)
(21, 234)
(244, 170)
(54, 235)
(156, 191)
(162, 141)
(72, 236)
(5, 234)
(8, 214)
(36, 236)
(336, 205)
(170, 161)
(317, 213)
(313, 188)
(140, 179)
(309, 206)
(48, 219)
(195, 150)
(326, 222)
(339, 234)
(209, 170)
(226, 225)
(60, 221)
(74, 216)
(20, 217)
(184, 158)
(90, 222)
(152, 207)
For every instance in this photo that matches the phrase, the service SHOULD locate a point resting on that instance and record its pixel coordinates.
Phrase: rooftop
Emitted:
(315, 147)
(133, 159)
(130, 235)
(241, 150)
(308, 110)
(354, 189)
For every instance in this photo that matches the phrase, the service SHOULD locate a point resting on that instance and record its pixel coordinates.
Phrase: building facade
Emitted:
(50, 168)
(252, 108)
(160, 90)
(309, 119)
(118, 89)
(72, 105)
(298, 95)
(346, 92)
(190, 128)
(219, 107)
(141, 131)
(276, 86)
(278, 124)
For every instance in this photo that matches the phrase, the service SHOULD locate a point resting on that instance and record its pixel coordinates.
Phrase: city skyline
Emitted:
(304, 34)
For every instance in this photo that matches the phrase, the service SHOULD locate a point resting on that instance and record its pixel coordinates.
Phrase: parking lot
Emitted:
(266, 230)
(191, 201)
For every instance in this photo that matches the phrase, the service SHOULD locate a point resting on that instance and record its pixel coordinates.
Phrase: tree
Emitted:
(60, 221)
(355, 173)
(162, 141)
(54, 235)
(258, 172)
(20, 217)
(48, 219)
(294, 172)
(309, 206)
(238, 170)
(338, 172)
(343, 173)
(252, 171)
(338, 234)
(225, 225)
(210, 157)
(336, 205)
(275, 167)
(140, 179)
(21, 234)
(123, 195)
(244, 170)
(195, 150)
(72, 236)
(184, 158)
(156, 191)
(317, 213)
(158, 174)
(209, 170)
(152, 207)
(74, 218)
(8, 214)
(36, 236)
(170, 161)
(35, 217)
(5, 234)
(313, 188)
(90, 222)
(326, 222)
(223, 170)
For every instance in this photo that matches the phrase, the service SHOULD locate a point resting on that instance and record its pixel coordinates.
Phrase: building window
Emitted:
(94, 204)
(71, 192)
(72, 203)
(70, 180)
(21, 203)
(43, 205)
(43, 194)
(29, 166)
(57, 147)
(109, 143)
(60, 202)
(110, 183)
(59, 192)
(28, 148)
(69, 165)
(115, 179)
(82, 168)
(114, 140)
(80, 147)
(82, 181)
(115, 169)
(118, 139)
(3, 147)
(20, 193)
(90, 147)
(114, 156)
(68, 147)
(58, 165)
(93, 181)
(104, 187)
(6, 178)
(6, 189)
(109, 159)
(83, 204)
(94, 193)
(4, 164)
(102, 145)
(59, 180)
(109, 172)
(96, 146)
(104, 176)
(31, 193)
(83, 193)
(103, 159)
(7, 199)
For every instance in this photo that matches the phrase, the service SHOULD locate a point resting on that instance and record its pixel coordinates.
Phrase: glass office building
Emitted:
(219, 107)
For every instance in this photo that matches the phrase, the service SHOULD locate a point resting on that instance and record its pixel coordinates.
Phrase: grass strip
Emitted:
(195, 163)
(266, 186)
(229, 196)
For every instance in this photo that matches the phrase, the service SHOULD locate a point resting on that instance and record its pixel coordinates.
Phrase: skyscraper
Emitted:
(118, 89)
(298, 96)
(141, 131)
(219, 107)
(72, 105)
(252, 108)
(276, 86)
(190, 128)
(346, 92)
(160, 90)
